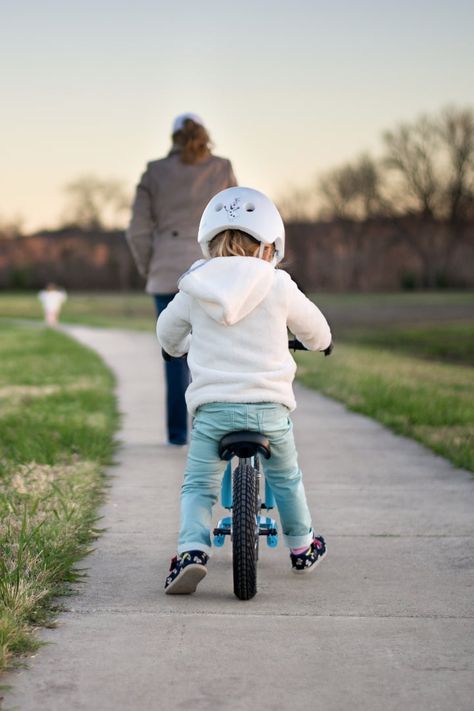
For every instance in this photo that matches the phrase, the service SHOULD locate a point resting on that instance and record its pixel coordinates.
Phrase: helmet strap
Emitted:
(261, 250)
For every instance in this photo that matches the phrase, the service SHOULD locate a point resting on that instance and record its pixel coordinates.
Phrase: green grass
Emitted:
(57, 419)
(449, 342)
(413, 334)
(431, 402)
(407, 299)
(351, 315)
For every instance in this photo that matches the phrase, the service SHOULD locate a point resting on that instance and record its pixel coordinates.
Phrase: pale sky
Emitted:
(288, 89)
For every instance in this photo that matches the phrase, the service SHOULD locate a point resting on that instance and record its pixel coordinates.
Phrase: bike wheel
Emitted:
(244, 534)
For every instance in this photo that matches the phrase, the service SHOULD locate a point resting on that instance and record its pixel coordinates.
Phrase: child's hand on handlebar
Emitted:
(296, 345)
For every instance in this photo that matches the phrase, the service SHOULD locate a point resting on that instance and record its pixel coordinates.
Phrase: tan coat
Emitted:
(169, 202)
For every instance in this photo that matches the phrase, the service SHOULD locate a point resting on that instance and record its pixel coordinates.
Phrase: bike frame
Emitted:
(246, 522)
(265, 525)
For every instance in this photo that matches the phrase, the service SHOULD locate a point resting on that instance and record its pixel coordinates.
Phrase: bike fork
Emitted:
(266, 526)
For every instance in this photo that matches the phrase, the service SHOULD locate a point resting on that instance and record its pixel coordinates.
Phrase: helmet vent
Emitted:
(249, 207)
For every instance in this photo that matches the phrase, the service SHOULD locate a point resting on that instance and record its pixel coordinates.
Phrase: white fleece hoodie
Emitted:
(238, 310)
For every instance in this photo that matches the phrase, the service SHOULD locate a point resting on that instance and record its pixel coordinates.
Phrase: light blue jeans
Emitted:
(204, 471)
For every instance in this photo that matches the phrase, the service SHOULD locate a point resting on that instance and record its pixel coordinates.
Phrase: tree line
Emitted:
(426, 169)
(420, 188)
(422, 185)
(92, 204)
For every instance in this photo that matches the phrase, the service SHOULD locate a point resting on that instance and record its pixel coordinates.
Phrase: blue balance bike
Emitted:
(240, 495)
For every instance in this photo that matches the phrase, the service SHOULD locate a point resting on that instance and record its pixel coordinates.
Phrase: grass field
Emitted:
(135, 311)
(57, 419)
(448, 342)
(432, 402)
(346, 312)
(388, 349)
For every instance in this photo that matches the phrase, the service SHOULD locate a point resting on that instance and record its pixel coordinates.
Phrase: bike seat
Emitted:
(244, 445)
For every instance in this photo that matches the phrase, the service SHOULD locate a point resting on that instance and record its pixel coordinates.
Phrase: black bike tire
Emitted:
(257, 502)
(244, 557)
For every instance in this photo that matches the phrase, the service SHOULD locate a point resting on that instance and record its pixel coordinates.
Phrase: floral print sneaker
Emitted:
(186, 572)
(309, 559)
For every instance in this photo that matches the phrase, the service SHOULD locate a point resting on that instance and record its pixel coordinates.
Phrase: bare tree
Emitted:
(11, 228)
(353, 194)
(432, 160)
(96, 203)
(411, 152)
(353, 191)
(455, 128)
(297, 205)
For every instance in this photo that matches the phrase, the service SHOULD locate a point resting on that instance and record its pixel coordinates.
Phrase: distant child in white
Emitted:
(52, 300)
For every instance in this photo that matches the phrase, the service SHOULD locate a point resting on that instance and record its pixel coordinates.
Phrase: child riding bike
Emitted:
(238, 308)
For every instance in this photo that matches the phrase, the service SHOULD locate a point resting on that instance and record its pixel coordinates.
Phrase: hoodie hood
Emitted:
(228, 288)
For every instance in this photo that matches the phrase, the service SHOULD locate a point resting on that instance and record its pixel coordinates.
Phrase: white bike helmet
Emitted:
(243, 209)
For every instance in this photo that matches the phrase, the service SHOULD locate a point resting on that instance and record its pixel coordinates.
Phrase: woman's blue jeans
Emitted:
(204, 471)
(177, 381)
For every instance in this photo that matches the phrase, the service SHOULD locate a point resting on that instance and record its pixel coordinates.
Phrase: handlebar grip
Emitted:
(296, 345)
(167, 357)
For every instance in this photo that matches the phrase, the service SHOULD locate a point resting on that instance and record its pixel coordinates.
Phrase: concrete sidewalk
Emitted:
(385, 623)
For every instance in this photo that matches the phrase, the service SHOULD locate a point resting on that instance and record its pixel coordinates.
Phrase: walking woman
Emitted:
(169, 202)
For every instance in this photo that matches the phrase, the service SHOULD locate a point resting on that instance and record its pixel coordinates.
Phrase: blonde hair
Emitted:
(235, 243)
(193, 141)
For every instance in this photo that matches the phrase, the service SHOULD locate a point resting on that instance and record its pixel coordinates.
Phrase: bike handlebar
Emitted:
(296, 345)
(293, 344)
